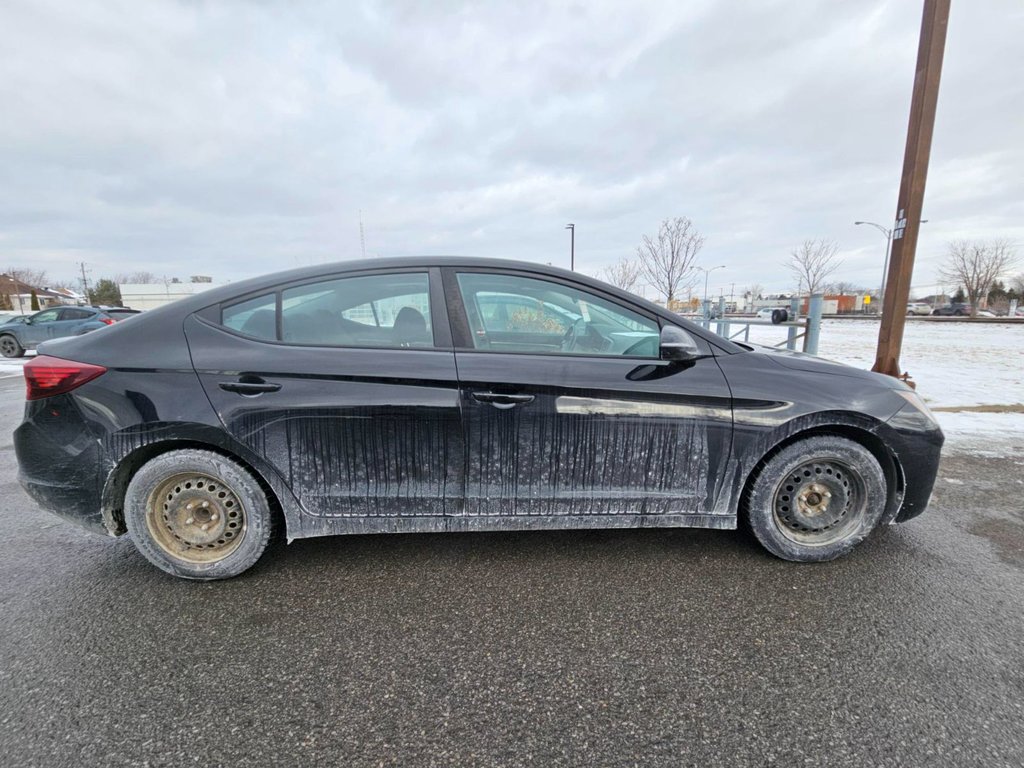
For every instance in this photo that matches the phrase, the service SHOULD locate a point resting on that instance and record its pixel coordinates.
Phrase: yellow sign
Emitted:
(867, 299)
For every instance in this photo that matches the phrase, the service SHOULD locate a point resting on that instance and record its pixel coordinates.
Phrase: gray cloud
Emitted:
(237, 138)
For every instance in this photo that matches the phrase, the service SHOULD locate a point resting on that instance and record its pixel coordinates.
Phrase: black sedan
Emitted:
(453, 394)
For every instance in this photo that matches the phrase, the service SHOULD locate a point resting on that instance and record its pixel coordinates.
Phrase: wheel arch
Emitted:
(853, 427)
(116, 485)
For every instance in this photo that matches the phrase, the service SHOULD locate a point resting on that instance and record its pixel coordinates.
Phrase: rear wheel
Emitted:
(816, 499)
(197, 515)
(9, 346)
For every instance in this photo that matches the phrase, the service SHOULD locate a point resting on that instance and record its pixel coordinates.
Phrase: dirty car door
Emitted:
(347, 387)
(39, 327)
(578, 415)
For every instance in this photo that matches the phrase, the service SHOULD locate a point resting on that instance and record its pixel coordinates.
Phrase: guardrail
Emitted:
(807, 328)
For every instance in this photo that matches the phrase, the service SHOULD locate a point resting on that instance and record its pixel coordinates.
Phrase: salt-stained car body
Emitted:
(455, 395)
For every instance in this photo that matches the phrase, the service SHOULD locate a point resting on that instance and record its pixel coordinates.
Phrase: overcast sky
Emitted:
(231, 139)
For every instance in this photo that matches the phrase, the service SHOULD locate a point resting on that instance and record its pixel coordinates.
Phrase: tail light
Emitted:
(107, 320)
(48, 376)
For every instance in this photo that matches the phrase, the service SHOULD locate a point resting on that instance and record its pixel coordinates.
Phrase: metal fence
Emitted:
(806, 328)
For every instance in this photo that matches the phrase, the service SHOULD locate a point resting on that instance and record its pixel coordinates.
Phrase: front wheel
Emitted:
(816, 499)
(9, 346)
(197, 515)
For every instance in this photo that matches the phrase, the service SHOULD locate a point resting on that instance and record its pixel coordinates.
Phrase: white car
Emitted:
(918, 308)
(768, 313)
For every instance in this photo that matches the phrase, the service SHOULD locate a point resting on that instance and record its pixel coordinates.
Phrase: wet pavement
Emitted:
(609, 648)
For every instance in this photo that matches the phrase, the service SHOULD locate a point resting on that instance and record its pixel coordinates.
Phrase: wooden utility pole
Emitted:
(911, 197)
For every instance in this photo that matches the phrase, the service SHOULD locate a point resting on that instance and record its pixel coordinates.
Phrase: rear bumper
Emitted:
(61, 465)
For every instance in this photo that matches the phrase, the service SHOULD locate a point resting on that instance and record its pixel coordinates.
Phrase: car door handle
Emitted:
(501, 401)
(250, 388)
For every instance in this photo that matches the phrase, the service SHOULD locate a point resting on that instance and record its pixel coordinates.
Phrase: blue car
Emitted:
(21, 334)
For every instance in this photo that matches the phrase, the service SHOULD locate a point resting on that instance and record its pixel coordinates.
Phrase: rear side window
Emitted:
(76, 314)
(391, 310)
(255, 317)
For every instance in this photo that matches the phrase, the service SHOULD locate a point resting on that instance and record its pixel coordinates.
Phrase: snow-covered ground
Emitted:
(12, 366)
(956, 366)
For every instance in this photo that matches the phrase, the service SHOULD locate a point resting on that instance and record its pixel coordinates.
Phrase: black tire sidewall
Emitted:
(258, 516)
(18, 349)
(760, 515)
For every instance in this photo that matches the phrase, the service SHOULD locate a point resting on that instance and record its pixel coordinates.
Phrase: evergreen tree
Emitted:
(105, 292)
(35, 301)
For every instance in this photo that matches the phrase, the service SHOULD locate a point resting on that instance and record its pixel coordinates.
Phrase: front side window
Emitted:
(509, 313)
(46, 317)
(391, 310)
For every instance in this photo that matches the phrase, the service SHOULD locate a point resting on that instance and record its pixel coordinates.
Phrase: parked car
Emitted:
(775, 314)
(958, 309)
(918, 308)
(392, 396)
(56, 322)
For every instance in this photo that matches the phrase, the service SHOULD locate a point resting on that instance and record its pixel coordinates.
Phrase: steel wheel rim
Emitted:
(820, 502)
(196, 517)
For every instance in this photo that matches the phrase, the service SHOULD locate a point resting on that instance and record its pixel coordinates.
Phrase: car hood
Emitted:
(801, 361)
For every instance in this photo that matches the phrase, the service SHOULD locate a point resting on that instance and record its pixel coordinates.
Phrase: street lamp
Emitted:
(888, 249)
(572, 246)
(707, 272)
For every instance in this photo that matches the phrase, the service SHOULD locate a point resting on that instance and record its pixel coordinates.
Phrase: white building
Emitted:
(153, 295)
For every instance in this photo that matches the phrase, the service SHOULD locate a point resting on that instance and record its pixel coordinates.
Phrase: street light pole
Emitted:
(888, 250)
(707, 272)
(572, 246)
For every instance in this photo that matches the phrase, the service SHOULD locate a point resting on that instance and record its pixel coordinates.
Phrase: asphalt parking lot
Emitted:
(598, 648)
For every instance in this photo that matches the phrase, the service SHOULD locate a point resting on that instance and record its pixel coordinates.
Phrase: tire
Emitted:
(9, 346)
(224, 496)
(779, 316)
(788, 505)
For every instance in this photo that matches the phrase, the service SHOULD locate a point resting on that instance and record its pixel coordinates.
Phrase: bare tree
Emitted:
(975, 265)
(622, 274)
(754, 290)
(843, 287)
(34, 278)
(1018, 284)
(143, 277)
(667, 261)
(812, 263)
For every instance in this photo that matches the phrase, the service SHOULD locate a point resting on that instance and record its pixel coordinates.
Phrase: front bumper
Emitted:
(916, 442)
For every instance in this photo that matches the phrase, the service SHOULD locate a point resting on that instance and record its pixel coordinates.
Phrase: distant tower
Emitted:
(362, 236)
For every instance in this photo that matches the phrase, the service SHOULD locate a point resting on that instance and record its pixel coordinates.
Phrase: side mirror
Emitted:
(677, 344)
(28, 321)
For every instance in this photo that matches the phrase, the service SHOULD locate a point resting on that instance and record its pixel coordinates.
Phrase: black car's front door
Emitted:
(568, 410)
(347, 387)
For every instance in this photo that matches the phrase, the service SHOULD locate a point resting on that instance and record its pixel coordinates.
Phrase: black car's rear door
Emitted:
(347, 386)
(569, 411)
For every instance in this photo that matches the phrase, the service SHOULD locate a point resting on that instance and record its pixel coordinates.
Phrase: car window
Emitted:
(47, 316)
(253, 317)
(509, 313)
(391, 310)
(75, 314)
